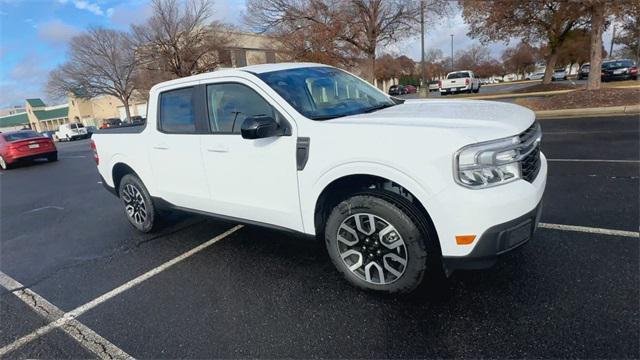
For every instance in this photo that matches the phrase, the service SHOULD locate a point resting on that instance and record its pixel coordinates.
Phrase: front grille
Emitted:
(531, 162)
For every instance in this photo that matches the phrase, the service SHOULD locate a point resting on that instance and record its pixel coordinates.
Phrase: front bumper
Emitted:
(458, 211)
(497, 240)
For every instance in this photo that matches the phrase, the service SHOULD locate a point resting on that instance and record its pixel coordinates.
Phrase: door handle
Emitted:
(161, 147)
(219, 148)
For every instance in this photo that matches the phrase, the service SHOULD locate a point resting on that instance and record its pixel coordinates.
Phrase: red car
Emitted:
(410, 89)
(25, 145)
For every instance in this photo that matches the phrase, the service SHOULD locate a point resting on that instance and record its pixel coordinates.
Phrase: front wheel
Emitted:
(138, 206)
(378, 243)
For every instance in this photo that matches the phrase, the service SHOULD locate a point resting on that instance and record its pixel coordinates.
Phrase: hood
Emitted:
(477, 119)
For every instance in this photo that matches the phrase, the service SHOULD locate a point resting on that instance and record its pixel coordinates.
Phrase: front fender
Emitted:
(309, 200)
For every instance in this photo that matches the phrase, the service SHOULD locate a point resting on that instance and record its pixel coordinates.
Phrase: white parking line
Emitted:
(87, 338)
(595, 160)
(67, 320)
(44, 208)
(590, 230)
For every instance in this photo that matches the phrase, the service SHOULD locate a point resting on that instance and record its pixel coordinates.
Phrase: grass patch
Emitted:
(581, 99)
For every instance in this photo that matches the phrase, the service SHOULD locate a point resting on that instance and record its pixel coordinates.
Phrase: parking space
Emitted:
(262, 293)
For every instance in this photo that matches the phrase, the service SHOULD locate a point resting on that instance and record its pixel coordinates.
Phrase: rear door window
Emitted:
(177, 115)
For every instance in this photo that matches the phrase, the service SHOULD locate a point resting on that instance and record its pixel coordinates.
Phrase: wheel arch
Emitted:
(118, 171)
(340, 187)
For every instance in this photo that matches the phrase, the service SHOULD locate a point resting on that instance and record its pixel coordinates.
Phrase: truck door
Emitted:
(250, 179)
(174, 153)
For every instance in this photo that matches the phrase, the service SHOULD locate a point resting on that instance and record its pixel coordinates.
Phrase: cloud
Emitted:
(86, 5)
(57, 32)
(438, 36)
(27, 79)
(127, 14)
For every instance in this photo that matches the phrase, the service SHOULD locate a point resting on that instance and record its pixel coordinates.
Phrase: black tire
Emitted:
(52, 157)
(419, 247)
(129, 196)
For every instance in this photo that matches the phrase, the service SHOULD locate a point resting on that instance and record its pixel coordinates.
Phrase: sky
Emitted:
(34, 35)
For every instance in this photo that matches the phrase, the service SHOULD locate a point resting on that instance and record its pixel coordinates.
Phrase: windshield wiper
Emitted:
(328, 117)
(378, 107)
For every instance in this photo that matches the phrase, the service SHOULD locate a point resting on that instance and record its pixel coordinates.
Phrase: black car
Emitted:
(583, 73)
(397, 90)
(619, 70)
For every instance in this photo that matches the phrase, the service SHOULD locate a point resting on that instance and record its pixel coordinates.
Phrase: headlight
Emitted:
(495, 162)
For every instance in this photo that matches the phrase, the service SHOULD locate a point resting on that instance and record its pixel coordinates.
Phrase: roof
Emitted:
(36, 103)
(241, 72)
(264, 68)
(52, 113)
(14, 120)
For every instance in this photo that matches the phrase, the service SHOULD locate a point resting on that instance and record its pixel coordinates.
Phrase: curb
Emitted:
(518, 95)
(513, 82)
(611, 110)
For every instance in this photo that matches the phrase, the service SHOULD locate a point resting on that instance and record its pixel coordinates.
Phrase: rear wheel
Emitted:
(52, 157)
(377, 241)
(138, 206)
(3, 164)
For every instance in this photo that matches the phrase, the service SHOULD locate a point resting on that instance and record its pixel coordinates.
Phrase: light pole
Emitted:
(613, 39)
(423, 82)
(451, 52)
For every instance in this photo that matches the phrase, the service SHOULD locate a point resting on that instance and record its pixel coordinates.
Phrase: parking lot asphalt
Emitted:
(262, 293)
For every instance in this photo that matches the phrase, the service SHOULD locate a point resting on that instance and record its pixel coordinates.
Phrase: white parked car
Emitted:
(536, 76)
(458, 82)
(72, 131)
(559, 74)
(398, 190)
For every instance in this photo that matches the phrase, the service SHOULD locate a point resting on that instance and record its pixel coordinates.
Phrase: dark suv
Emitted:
(619, 70)
(397, 90)
(583, 73)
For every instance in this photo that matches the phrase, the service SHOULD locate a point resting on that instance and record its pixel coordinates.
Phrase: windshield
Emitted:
(321, 93)
(616, 64)
(76, 125)
(458, 75)
(21, 135)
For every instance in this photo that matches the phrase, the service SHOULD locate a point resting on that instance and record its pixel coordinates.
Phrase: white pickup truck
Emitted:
(459, 82)
(397, 190)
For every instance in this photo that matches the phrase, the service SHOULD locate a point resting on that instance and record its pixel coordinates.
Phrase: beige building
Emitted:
(245, 49)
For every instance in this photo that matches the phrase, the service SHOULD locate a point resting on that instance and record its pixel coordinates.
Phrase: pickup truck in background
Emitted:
(459, 82)
(398, 190)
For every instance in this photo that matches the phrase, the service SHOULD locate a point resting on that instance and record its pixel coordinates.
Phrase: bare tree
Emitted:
(472, 57)
(351, 26)
(629, 35)
(541, 21)
(520, 59)
(180, 39)
(101, 62)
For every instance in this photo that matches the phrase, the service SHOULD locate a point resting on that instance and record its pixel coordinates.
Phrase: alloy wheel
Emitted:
(134, 203)
(3, 164)
(372, 248)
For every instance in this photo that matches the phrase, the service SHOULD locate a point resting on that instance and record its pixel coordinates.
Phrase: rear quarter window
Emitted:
(177, 111)
(458, 75)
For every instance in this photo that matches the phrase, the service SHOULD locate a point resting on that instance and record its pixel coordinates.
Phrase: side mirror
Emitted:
(259, 127)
